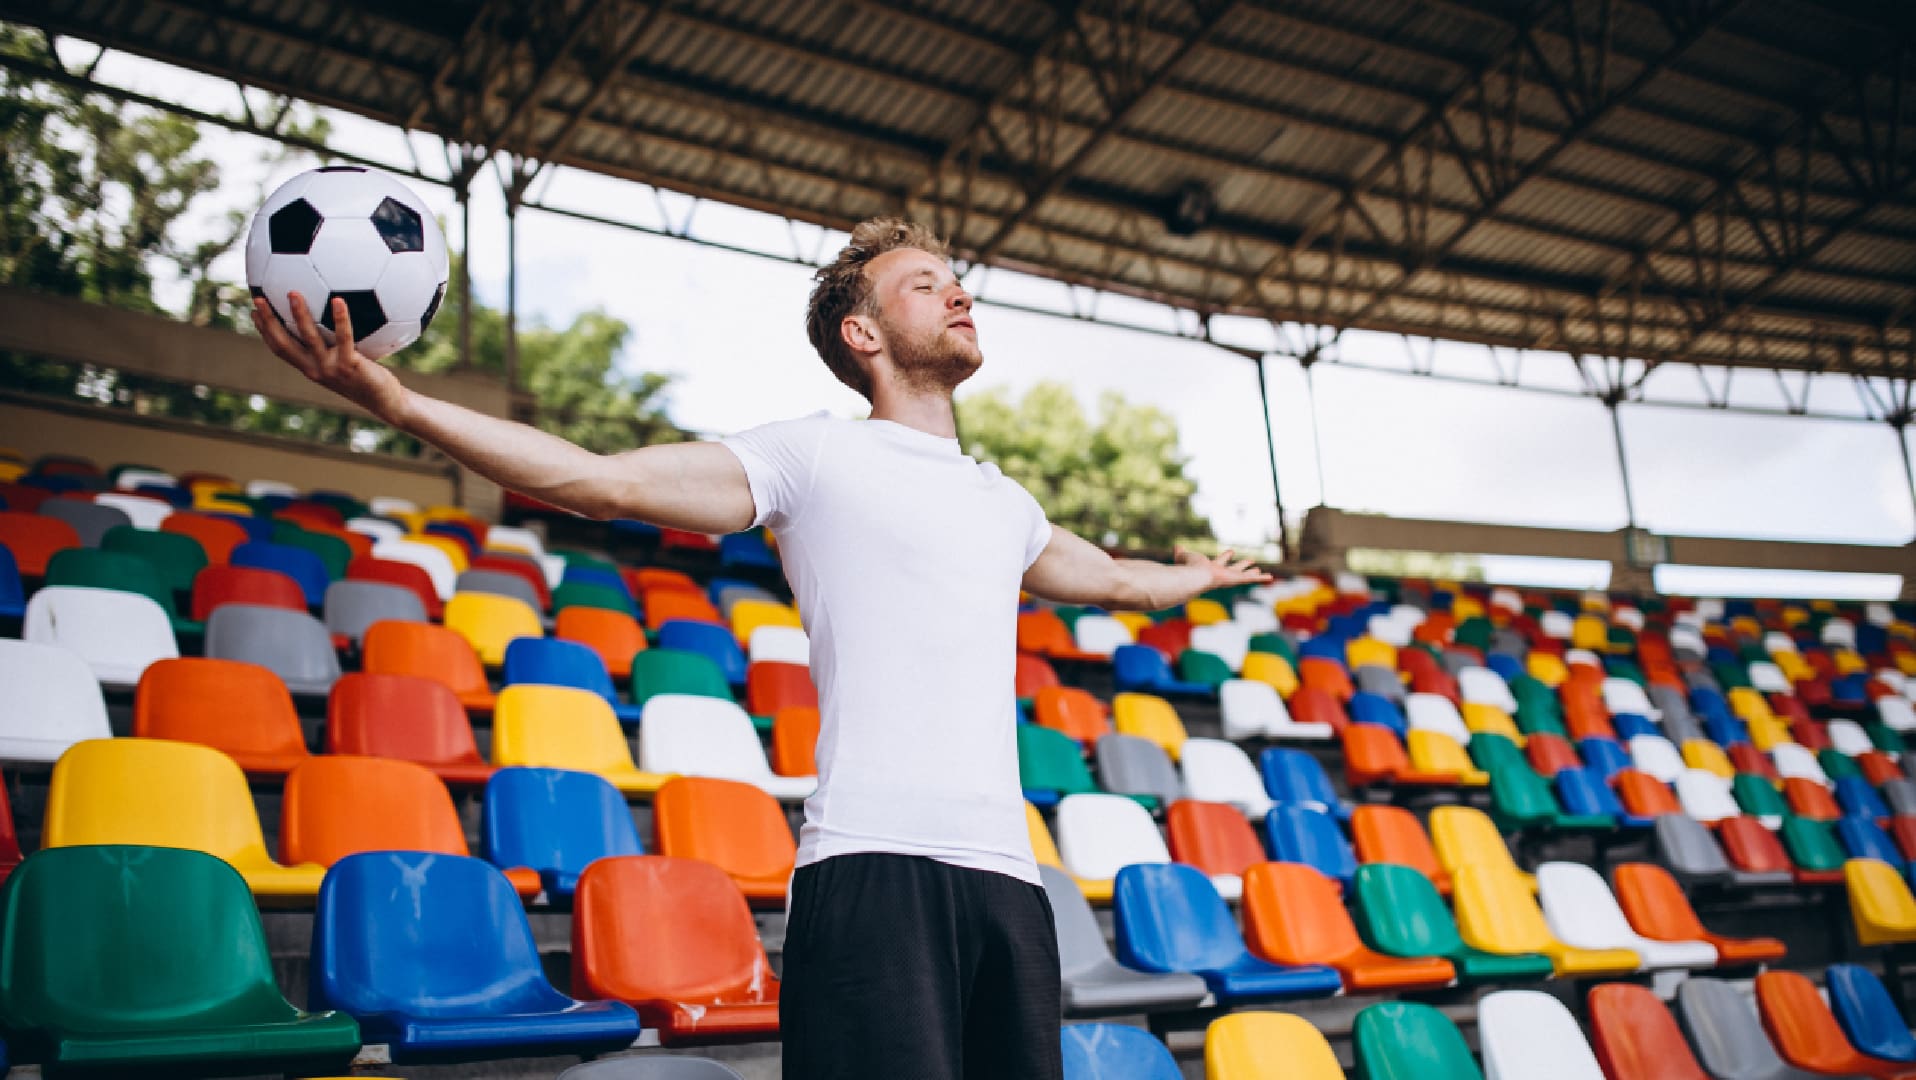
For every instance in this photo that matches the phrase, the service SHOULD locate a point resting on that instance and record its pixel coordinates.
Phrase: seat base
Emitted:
(584, 1027)
(685, 1024)
(319, 1042)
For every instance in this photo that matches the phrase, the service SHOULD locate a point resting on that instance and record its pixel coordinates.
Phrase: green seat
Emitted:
(1399, 913)
(1731, 675)
(674, 671)
(1198, 666)
(1885, 738)
(1475, 632)
(178, 558)
(1407, 1040)
(1757, 797)
(1753, 652)
(1813, 845)
(588, 594)
(1623, 640)
(1051, 761)
(1836, 764)
(575, 557)
(97, 568)
(1519, 798)
(1275, 644)
(1538, 710)
(120, 959)
(1628, 669)
(1069, 614)
(332, 551)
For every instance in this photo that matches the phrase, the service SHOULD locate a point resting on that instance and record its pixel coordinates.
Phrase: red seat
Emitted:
(1807, 1034)
(1636, 1038)
(1311, 705)
(662, 605)
(405, 575)
(1903, 828)
(1878, 768)
(1044, 633)
(1073, 712)
(239, 708)
(1644, 795)
(1295, 915)
(1214, 837)
(1392, 834)
(614, 635)
(1034, 673)
(1170, 637)
(1372, 755)
(9, 840)
(1753, 848)
(1810, 799)
(393, 647)
(1322, 673)
(407, 718)
(1810, 734)
(1656, 907)
(23, 498)
(1550, 754)
(217, 536)
(1746, 758)
(1584, 715)
(220, 584)
(771, 685)
(34, 540)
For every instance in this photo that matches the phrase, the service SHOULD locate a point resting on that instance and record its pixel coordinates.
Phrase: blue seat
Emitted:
(1294, 776)
(452, 530)
(1868, 1016)
(434, 957)
(716, 643)
(1324, 647)
(1442, 599)
(299, 564)
(554, 821)
(13, 595)
(1115, 1052)
(1169, 918)
(558, 662)
(1631, 725)
(1726, 731)
(174, 495)
(1365, 707)
(1705, 702)
(258, 529)
(1585, 793)
(1142, 669)
(635, 530)
(1606, 756)
(1850, 690)
(1858, 799)
(594, 575)
(746, 549)
(1864, 839)
(1506, 666)
(1298, 835)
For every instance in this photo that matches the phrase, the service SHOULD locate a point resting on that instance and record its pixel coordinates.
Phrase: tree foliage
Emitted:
(1116, 479)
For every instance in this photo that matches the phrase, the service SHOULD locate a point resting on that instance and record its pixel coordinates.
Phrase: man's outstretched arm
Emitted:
(1072, 570)
(699, 487)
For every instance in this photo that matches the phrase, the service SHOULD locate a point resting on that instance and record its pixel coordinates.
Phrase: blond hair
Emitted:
(841, 288)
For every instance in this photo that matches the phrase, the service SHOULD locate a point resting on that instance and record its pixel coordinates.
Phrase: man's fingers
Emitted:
(342, 334)
(274, 334)
(308, 331)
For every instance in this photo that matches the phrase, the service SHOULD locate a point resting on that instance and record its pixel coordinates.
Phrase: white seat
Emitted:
(1218, 771)
(1776, 641)
(1879, 613)
(1557, 624)
(1898, 713)
(1840, 632)
(1628, 616)
(1350, 584)
(1527, 1035)
(1795, 762)
(1656, 756)
(1099, 835)
(1892, 678)
(554, 567)
(1391, 629)
(514, 536)
(1690, 638)
(1768, 678)
(1254, 617)
(1482, 686)
(1706, 796)
(142, 512)
(379, 529)
(703, 736)
(259, 489)
(132, 478)
(1229, 641)
(1708, 610)
(1582, 912)
(52, 701)
(1849, 737)
(436, 563)
(1625, 696)
(391, 504)
(781, 644)
(1249, 709)
(1100, 634)
(1507, 598)
(117, 633)
(1434, 712)
(1573, 657)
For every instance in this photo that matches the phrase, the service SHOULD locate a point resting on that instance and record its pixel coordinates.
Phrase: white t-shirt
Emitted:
(905, 556)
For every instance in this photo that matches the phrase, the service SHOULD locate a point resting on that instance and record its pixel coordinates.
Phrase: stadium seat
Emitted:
(1519, 798)
(1656, 907)
(118, 634)
(748, 616)
(434, 560)
(352, 607)
(490, 623)
(334, 549)
(1294, 915)
(1806, 1032)
(1550, 754)
(1408, 1039)
(1325, 673)
(1099, 835)
(733, 825)
(555, 822)
(1723, 1027)
(1115, 1052)
(770, 687)
(242, 710)
(1204, 669)
(1073, 712)
(1228, 641)
(1857, 797)
(1526, 1033)
(1867, 1014)
(1582, 793)
(1368, 708)
(714, 643)
(432, 652)
(510, 584)
(1433, 712)
(703, 736)
(1099, 635)
(90, 569)
(1636, 1038)
(1795, 762)
(407, 576)
(51, 702)
(1250, 709)
(560, 727)
(142, 511)
(1434, 755)
(1497, 914)
(1392, 834)
(1150, 717)
(34, 540)
(13, 594)
(1266, 1045)
(614, 635)
(1759, 857)
(1169, 918)
(393, 946)
(795, 741)
(219, 584)
(1213, 837)
(553, 662)
(1644, 795)
(167, 794)
(1045, 633)
(669, 671)
(1129, 765)
(291, 644)
(1141, 669)
(1294, 776)
(1706, 796)
(1880, 905)
(1810, 799)
(783, 645)
(217, 535)
(405, 718)
(1093, 982)
(1759, 798)
(1271, 670)
(1465, 836)
(1218, 771)
(1313, 706)
(1401, 914)
(295, 562)
(90, 521)
(1294, 833)
(1582, 913)
(1051, 767)
(1372, 755)
(674, 939)
(1045, 851)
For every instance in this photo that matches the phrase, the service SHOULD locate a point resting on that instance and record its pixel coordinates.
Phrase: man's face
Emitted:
(925, 317)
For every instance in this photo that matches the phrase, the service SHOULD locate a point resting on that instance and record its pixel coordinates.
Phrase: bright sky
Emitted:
(730, 327)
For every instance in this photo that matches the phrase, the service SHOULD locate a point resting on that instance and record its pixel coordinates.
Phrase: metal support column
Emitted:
(1309, 360)
(463, 192)
(1270, 447)
(1611, 400)
(512, 290)
(1899, 423)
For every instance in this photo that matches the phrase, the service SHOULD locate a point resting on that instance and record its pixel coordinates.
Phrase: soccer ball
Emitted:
(357, 234)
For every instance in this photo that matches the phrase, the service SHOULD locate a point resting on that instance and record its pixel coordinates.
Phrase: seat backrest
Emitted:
(295, 562)
(52, 701)
(34, 538)
(701, 736)
(1294, 915)
(1051, 761)
(1139, 667)
(1496, 913)
(1687, 847)
(1294, 776)
(651, 928)
(1130, 765)
(216, 535)
(433, 652)
(1169, 917)
(556, 662)
(1253, 1045)
(1655, 756)
(507, 583)
(788, 645)
(353, 606)
(1706, 796)
(230, 705)
(1636, 1038)
(90, 520)
(1645, 795)
(1858, 798)
(90, 568)
(118, 634)
(555, 821)
(1081, 944)
(1723, 1027)
(1101, 634)
(1530, 1033)
(1801, 1024)
(730, 824)
(1867, 1014)
(1655, 904)
(1402, 913)
(1219, 771)
(1229, 641)
(1073, 711)
(1607, 756)
(713, 642)
(156, 792)
(416, 551)
(670, 671)
(1579, 907)
(403, 717)
(1465, 836)
(1097, 1051)
(795, 741)
(1302, 835)
(558, 727)
(337, 805)
(1098, 835)
(748, 615)
(1150, 717)
(1392, 834)
(219, 585)
(1797, 762)
(292, 644)
(491, 622)
(1213, 837)
(1410, 1039)
(413, 579)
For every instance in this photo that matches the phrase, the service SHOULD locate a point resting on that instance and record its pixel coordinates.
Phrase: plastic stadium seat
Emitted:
(1213, 837)
(1864, 839)
(1607, 756)
(1205, 669)
(1433, 712)
(782, 644)
(553, 662)
(1294, 915)
(1296, 834)
(1465, 836)
(1497, 914)
(674, 939)
(1582, 913)
(433, 652)
(1218, 771)
(1796, 762)
(1095, 984)
(216, 535)
(1729, 1040)
(1526, 1033)
(1858, 798)
(51, 702)
(1706, 796)
(118, 634)
(1867, 1015)
(1143, 669)
(34, 540)
(1407, 1039)
(713, 642)
(218, 585)
(1045, 851)
(1115, 1052)
(167, 794)
(1806, 1032)
(1709, 757)
(1810, 799)
(407, 576)
(703, 736)
(1099, 635)
(1263, 1045)
(1760, 859)
(1250, 709)
(1169, 918)
(1073, 712)
(1051, 766)
(142, 511)
(1636, 1038)
(1274, 671)
(1654, 755)
(614, 635)
(1045, 633)
(556, 822)
(292, 644)
(90, 521)
(747, 616)
(1434, 754)
(770, 687)
(560, 727)
(668, 671)
(13, 595)
(501, 583)
(1313, 706)
(1151, 717)
(1550, 754)
(732, 825)
(90, 569)
(434, 561)
(491, 623)
(1520, 798)
(242, 710)
(295, 562)
(1228, 641)
(1583, 793)
(392, 945)
(1401, 914)
(1392, 834)
(1657, 909)
(405, 718)
(795, 742)
(1644, 795)
(1880, 904)
(1099, 835)
(1294, 776)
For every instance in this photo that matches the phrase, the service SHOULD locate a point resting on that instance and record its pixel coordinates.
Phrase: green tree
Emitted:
(1117, 480)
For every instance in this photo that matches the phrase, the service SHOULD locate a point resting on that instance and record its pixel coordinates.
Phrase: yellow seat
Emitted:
(1150, 717)
(1133, 621)
(442, 512)
(1795, 615)
(1827, 607)
(1204, 611)
(454, 549)
(1434, 751)
(1708, 756)
(215, 503)
(1305, 604)
(1905, 662)
(167, 794)
(1590, 632)
(1369, 650)
(413, 520)
(208, 486)
(1260, 1045)
(11, 471)
(491, 623)
(1496, 914)
(1747, 626)
(1465, 836)
(1880, 903)
(1484, 719)
(1045, 851)
(749, 615)
(1792, 665)
(1749, 705)
(1272, 670)
(1849, 662)
(1547, 669)
(558, 727)
(1466, 607)
(1767, 733)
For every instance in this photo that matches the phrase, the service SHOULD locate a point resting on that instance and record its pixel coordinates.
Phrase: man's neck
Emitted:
(928, 411)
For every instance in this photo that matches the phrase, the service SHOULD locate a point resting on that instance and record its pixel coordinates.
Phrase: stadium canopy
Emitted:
(1724, 182)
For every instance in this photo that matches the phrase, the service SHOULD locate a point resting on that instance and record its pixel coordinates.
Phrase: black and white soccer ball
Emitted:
(354, 233)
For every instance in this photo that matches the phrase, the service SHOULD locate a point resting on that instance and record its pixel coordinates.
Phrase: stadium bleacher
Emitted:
(1331, 819)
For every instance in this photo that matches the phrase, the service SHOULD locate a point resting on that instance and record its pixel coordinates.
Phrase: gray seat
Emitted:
(1509, 643)
(732, 594)
(1455, 662)
(1679, 723)
(90, 520)
(1690, 852)
(1901, 795)
(1132, 765)
(1729, 1039)
(1095, 984)
(292, 644)
(1379, 680)
(1684, 652)
(1908, 762)
(1680, 728)
(499, 583)
(1699, 679)
(352, 606)
(652, 1067)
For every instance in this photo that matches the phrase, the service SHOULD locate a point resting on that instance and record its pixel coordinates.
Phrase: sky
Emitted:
(1361, 434)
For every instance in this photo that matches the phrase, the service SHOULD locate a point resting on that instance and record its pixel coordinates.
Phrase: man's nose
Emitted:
(960, 299)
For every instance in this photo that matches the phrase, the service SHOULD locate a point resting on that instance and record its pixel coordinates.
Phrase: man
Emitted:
(919, 944)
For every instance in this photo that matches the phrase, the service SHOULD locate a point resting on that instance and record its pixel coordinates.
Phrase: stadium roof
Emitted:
(1715, 181)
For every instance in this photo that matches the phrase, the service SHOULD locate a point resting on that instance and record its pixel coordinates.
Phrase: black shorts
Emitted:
(905, 968)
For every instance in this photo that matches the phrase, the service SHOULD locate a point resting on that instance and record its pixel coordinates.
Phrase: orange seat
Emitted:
(1902, 827)
(217, 536)
(735, 826)
(406, 718)
(1810, 799)
(1878, 768)
(1656, 907)
(1214, 837)
(1584, 715)
(1636, 1038)
(1644, 795)
(34, 540)
(1551, 754)
(1033, 674)
(219, 584)
(664, 605)
(433, 652)
(614, 635)
(232, 706)
(405, 575)
(643, 579)
(1072, 711)
(1312, 705)
(771, 685)
(1807, 1034)
(340, 805)
(1752, 848)
(1044, 633)
(1373, 755)
(674, 939)
(795, 741)
(1325, 674)
(1392, 834)
(1295, 915)
(1746, 758)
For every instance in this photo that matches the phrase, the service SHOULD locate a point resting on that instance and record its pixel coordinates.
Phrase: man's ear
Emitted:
(861, 334)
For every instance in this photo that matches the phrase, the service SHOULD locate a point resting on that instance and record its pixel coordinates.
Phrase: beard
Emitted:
(937, 360)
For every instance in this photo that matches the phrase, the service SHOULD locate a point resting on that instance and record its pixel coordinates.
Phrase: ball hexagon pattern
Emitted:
(354, 234)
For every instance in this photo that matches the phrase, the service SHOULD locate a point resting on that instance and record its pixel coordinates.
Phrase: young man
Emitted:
(919, 944)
